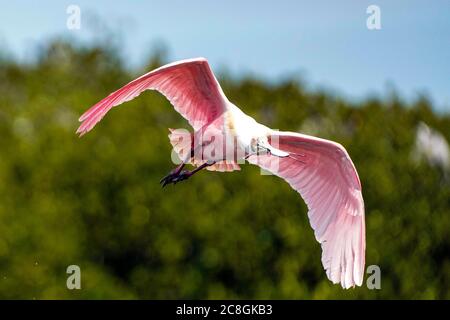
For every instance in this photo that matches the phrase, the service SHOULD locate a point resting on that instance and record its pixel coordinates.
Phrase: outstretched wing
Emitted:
(324, 175)
(189, 85)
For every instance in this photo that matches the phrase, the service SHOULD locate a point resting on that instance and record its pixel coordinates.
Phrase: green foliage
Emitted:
(96, 202)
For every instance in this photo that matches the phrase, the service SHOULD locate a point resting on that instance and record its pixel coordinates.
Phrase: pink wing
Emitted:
(324, 175)
(189, 85)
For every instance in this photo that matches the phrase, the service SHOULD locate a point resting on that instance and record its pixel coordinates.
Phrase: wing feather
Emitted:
(189, 85)
(328, 182)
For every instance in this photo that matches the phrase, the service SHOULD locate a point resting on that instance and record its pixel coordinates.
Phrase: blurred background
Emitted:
(315, 68)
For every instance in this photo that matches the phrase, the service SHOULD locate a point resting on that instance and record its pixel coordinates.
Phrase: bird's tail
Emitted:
(183, 141)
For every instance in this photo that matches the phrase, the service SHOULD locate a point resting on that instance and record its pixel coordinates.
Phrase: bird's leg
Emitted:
(183, 174)
(172, 174)
(206, 164)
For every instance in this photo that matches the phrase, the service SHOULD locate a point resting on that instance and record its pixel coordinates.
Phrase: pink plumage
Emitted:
(320, 170)
(324, 175)
(189, 85)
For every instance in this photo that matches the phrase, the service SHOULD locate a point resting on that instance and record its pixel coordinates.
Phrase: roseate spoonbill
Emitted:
(320, 170)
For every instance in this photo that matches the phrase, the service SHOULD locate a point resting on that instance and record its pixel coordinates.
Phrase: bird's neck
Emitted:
(243, 127)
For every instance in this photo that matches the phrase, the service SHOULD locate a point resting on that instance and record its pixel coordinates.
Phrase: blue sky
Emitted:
(326, 43)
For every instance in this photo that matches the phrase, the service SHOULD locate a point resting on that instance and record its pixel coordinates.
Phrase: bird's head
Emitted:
(260, 145)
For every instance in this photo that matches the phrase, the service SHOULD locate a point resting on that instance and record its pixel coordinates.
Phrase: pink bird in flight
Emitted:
(320, 170)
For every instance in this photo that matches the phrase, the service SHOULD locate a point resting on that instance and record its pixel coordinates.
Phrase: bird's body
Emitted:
(224, 136)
